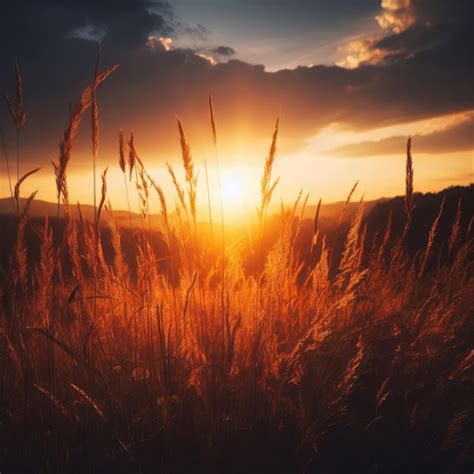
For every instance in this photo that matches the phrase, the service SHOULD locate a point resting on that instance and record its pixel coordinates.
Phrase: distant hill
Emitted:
(376, 217)
(39, 209)
(49, 209)
(333, 210)
(426, 209)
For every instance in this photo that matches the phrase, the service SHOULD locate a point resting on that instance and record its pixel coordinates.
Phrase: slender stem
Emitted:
(209, 203)
(128, 200)
(17, 153)
(138, 200)
(96, 239)
(5, 153)
(223, 241)
(17, 168)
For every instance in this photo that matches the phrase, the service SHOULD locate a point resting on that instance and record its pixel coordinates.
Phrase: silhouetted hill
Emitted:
(426, 209)
(328, 212)
(376, 217)
(332, 211)
(49, 209)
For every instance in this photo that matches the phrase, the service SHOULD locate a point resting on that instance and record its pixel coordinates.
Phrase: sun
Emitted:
(232, 188)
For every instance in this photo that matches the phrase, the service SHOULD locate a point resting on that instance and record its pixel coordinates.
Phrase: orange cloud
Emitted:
(396, 15)
(451, 134)
(159, 42)
(207, 57)
(362, 52)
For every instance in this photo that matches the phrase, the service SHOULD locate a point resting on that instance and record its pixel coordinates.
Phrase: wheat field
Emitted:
(220, 353)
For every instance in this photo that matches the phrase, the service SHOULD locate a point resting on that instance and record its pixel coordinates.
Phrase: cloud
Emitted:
(362, 52)
(160, 43)
(419, 76)
(207, 57)
(224, 51)
(150, 88)
(89, 32)
(30, 28)
(454, 138)
(412, 26)
(396, 15)
(198, 32)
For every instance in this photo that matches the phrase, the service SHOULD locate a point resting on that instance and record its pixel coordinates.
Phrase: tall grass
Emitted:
(188, 356)
(18, 115)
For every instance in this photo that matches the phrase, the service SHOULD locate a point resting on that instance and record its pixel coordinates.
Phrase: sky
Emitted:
(349, 80)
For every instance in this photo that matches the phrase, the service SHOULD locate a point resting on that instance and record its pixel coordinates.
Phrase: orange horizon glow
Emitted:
(313, 168)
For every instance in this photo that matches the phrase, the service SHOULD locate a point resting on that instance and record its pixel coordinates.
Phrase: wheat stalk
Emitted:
(123, 167)
(209, 202)
(188, 165)
(17, 112)
(456, 229)
(266, 187)
(70, 134)
(7, 163)
(18, 115)
(431, 240)
(178, 188)
(409, 197)
(314, 238)
(102, 199)
(346, 203)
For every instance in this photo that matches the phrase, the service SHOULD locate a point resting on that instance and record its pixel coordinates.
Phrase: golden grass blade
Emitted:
(456, 229)
(213, 123)
(178, 188)
(189, 170)
(209, 201)
(431, 239)
(102, 197)
(346, 204)
(20, 180)
(266, 187)
(54, 401)
(93, 404)
(133, 157)
(7, 163)
(409, 195)
(20, 110)
(17, 112)
(122, 161)
(409, 203)
(70, 134)
(314, 239)
(94, 107)
(185, 152)
(10, 107)
(386, 238)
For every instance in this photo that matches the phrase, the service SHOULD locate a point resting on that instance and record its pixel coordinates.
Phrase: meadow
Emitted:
(197, 350)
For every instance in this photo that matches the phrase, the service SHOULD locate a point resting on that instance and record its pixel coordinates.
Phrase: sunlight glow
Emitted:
(232, 188)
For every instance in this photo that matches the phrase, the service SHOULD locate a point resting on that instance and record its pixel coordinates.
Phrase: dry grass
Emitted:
(170, 364)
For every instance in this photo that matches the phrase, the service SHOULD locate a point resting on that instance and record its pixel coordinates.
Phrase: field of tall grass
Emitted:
(229, 354)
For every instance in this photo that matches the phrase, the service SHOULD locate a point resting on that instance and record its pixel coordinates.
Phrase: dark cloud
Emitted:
(32, 29)
(224, 51)
(421, 25)
(152, 86)
(435, 12)
(456, 138)
(198, 32)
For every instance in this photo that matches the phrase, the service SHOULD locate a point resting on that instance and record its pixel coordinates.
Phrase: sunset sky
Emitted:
(349, 79)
